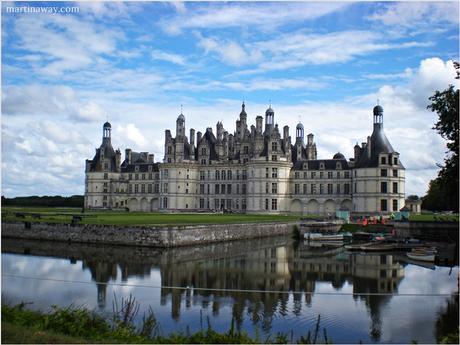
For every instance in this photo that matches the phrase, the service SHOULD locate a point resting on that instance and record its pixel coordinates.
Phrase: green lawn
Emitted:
(64, 215)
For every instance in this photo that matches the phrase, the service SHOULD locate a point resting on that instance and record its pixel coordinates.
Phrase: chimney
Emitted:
(357, 152)
(285, 132)
(259, 124)
(192, 137)
(128, 155)
(198, 138)
(151, 158)
(117, 160)
(368, 147)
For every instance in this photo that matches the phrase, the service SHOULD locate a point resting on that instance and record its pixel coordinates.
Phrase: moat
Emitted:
(266, 285)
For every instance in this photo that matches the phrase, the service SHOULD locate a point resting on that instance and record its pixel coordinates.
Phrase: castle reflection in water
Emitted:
(269, 267)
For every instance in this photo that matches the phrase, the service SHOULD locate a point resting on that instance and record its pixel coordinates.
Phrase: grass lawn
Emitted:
(64, 215)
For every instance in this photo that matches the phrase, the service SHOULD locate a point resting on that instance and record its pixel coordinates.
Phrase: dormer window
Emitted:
(203, 151)
(169, 150)
(274, 146)
(395, 160)
(321, 165)
(136, 168)
(305, 166)
(338, 166)
(383, 160)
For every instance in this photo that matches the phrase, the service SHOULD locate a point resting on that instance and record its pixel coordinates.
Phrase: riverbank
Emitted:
(146, 236)
(80, 326)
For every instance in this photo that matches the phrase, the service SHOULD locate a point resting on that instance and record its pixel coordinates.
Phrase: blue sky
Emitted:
(135, 63)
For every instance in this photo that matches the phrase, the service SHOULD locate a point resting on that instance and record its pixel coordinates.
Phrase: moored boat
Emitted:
(423, 254)
(321, 237)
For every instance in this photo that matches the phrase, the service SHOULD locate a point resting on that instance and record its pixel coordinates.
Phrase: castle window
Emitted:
(321, 174)
(136, 188)
(395, 160)
(169, 150)
(246, 150)
(217, 189)
(338, 166)
(383, 187)
(150, 188)
(203, 161)
(130, 188)
(208, 187)
(305, 175)
(229, 189)
(142, 188)
(329, 174)
(201, 203)
(238, 174)
(296, 188)
(305, 166)
(274, 146)
(321, 189)
(305, 189)
(222, 175)
(130, 176)
(338, 174)
(266, 204)
(347, 174)
(229, 174)
(274, 204)
(274, 172)
(186, 191)
(395, 173)
(313, 174)
(330, 188)
(165, 202)
(321, 165)
(383, 160)
(395, 205)
(157, 188)
(202, 175)
(274, 188)
(346, 188)
(356, 188)
(106, 166)
(105, 190)
(143, 176)
(169, 160)
(313, 188)
(237, 189)
(243, 188)
(150, 168)
(245, 175)
(338, 188)
(217, 175)
(106, 176)
(201, 188)
(395, 187)
(245, 160)
(267, 173)
(243, 204)
(267, 190)
(383, 172)
(136, 176)
(383, 205)
(274, 158)
(296, 175)
(136, 168)
(150, 176)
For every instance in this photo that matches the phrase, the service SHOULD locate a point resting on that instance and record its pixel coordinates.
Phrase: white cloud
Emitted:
(63, 42)
(414, 14)
(173, 58)
(263, 16)
(133, 135)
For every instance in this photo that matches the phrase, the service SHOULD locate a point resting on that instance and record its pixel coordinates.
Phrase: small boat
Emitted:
(422, 254)
(320, 237)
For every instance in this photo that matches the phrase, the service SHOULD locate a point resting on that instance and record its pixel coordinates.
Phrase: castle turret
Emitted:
(269, 120)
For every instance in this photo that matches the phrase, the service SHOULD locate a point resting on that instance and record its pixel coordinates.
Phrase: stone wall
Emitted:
(145, 236)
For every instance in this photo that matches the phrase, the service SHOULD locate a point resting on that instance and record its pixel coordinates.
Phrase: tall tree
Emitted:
(443, 192)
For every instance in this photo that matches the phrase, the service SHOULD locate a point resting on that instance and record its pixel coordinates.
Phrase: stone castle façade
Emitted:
(257, 169)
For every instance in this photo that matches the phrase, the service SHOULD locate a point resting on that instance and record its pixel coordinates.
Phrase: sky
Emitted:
(326, 64)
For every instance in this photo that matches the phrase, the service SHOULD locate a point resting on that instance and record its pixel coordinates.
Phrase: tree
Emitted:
(443, 191)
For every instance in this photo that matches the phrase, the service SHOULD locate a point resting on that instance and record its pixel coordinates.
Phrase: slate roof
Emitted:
(314, 164)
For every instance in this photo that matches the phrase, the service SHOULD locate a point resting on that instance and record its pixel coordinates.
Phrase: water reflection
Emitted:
(267, 267)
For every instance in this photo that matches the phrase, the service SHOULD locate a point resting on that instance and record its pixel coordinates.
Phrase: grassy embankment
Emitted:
(64, 215)
(78, 325)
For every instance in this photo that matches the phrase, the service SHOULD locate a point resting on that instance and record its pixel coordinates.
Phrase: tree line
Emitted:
(44, 201)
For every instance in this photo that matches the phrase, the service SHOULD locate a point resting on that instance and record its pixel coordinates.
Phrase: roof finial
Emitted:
(243, 105)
